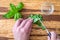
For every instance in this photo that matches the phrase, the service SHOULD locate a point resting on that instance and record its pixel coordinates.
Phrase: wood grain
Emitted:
(31, 38)
(52, 22)
(36, 6)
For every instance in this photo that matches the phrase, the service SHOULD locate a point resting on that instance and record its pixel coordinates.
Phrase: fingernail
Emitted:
(49, 34)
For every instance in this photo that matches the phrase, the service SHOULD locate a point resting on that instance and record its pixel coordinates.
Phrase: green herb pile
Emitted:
(14, 13)
(37, 19)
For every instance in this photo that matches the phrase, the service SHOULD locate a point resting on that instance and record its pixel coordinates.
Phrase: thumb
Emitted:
(53, 36)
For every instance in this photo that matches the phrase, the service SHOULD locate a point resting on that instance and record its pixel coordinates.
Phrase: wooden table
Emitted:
(52, 22)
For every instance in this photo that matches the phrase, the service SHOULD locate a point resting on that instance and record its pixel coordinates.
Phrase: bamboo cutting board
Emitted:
(52, 22)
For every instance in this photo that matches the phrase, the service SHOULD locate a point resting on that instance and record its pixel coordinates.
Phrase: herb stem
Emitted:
(44, 26)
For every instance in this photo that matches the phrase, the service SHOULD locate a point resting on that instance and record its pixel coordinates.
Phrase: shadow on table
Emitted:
(3, 38)
(45, 17)
(6, 38)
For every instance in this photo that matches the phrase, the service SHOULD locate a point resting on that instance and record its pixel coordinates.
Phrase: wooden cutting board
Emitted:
(52, 22)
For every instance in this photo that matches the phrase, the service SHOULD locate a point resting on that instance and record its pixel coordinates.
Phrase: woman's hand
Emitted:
(53, 36)
(22, 28)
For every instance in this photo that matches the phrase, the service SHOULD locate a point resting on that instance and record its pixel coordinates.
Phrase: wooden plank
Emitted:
(31, 38)
(48, 25)
(38, 38)
(36, 6)
(40, 32)
(27, 12)
(27, 1)
(33, 1)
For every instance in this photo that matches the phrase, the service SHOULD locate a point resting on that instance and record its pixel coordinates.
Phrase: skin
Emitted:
(22, 29)
(53, 36)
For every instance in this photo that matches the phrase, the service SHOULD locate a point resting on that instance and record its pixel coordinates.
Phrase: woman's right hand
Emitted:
(53, 36)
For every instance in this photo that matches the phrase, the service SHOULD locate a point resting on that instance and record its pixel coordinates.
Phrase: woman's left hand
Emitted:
(22, 29)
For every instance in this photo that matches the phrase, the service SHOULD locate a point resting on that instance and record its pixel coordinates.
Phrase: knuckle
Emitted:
(22, 30)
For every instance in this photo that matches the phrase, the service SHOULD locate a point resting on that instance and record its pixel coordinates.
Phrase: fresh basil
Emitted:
(20, 6)
(17, 16)
(9, 14)
(37, 19)
(14, 11)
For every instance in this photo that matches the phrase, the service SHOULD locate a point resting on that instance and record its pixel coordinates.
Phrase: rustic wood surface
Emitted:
(52, 22)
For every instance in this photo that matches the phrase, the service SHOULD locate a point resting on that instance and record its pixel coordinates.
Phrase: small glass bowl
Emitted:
(47, 8)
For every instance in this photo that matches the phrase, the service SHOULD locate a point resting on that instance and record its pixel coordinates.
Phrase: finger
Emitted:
(28, 24)
(18, 22)
(23, 23)
(53, 36)
(29, 31)
(58, 38)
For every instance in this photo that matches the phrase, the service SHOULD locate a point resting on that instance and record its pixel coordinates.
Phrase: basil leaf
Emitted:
(35, 17)
(43, 28)
(36, 20)
(14, 11)
(38, 23)
(13, 8)
(17, 16)
(40, 17)
(9, 14)
(20, 6)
